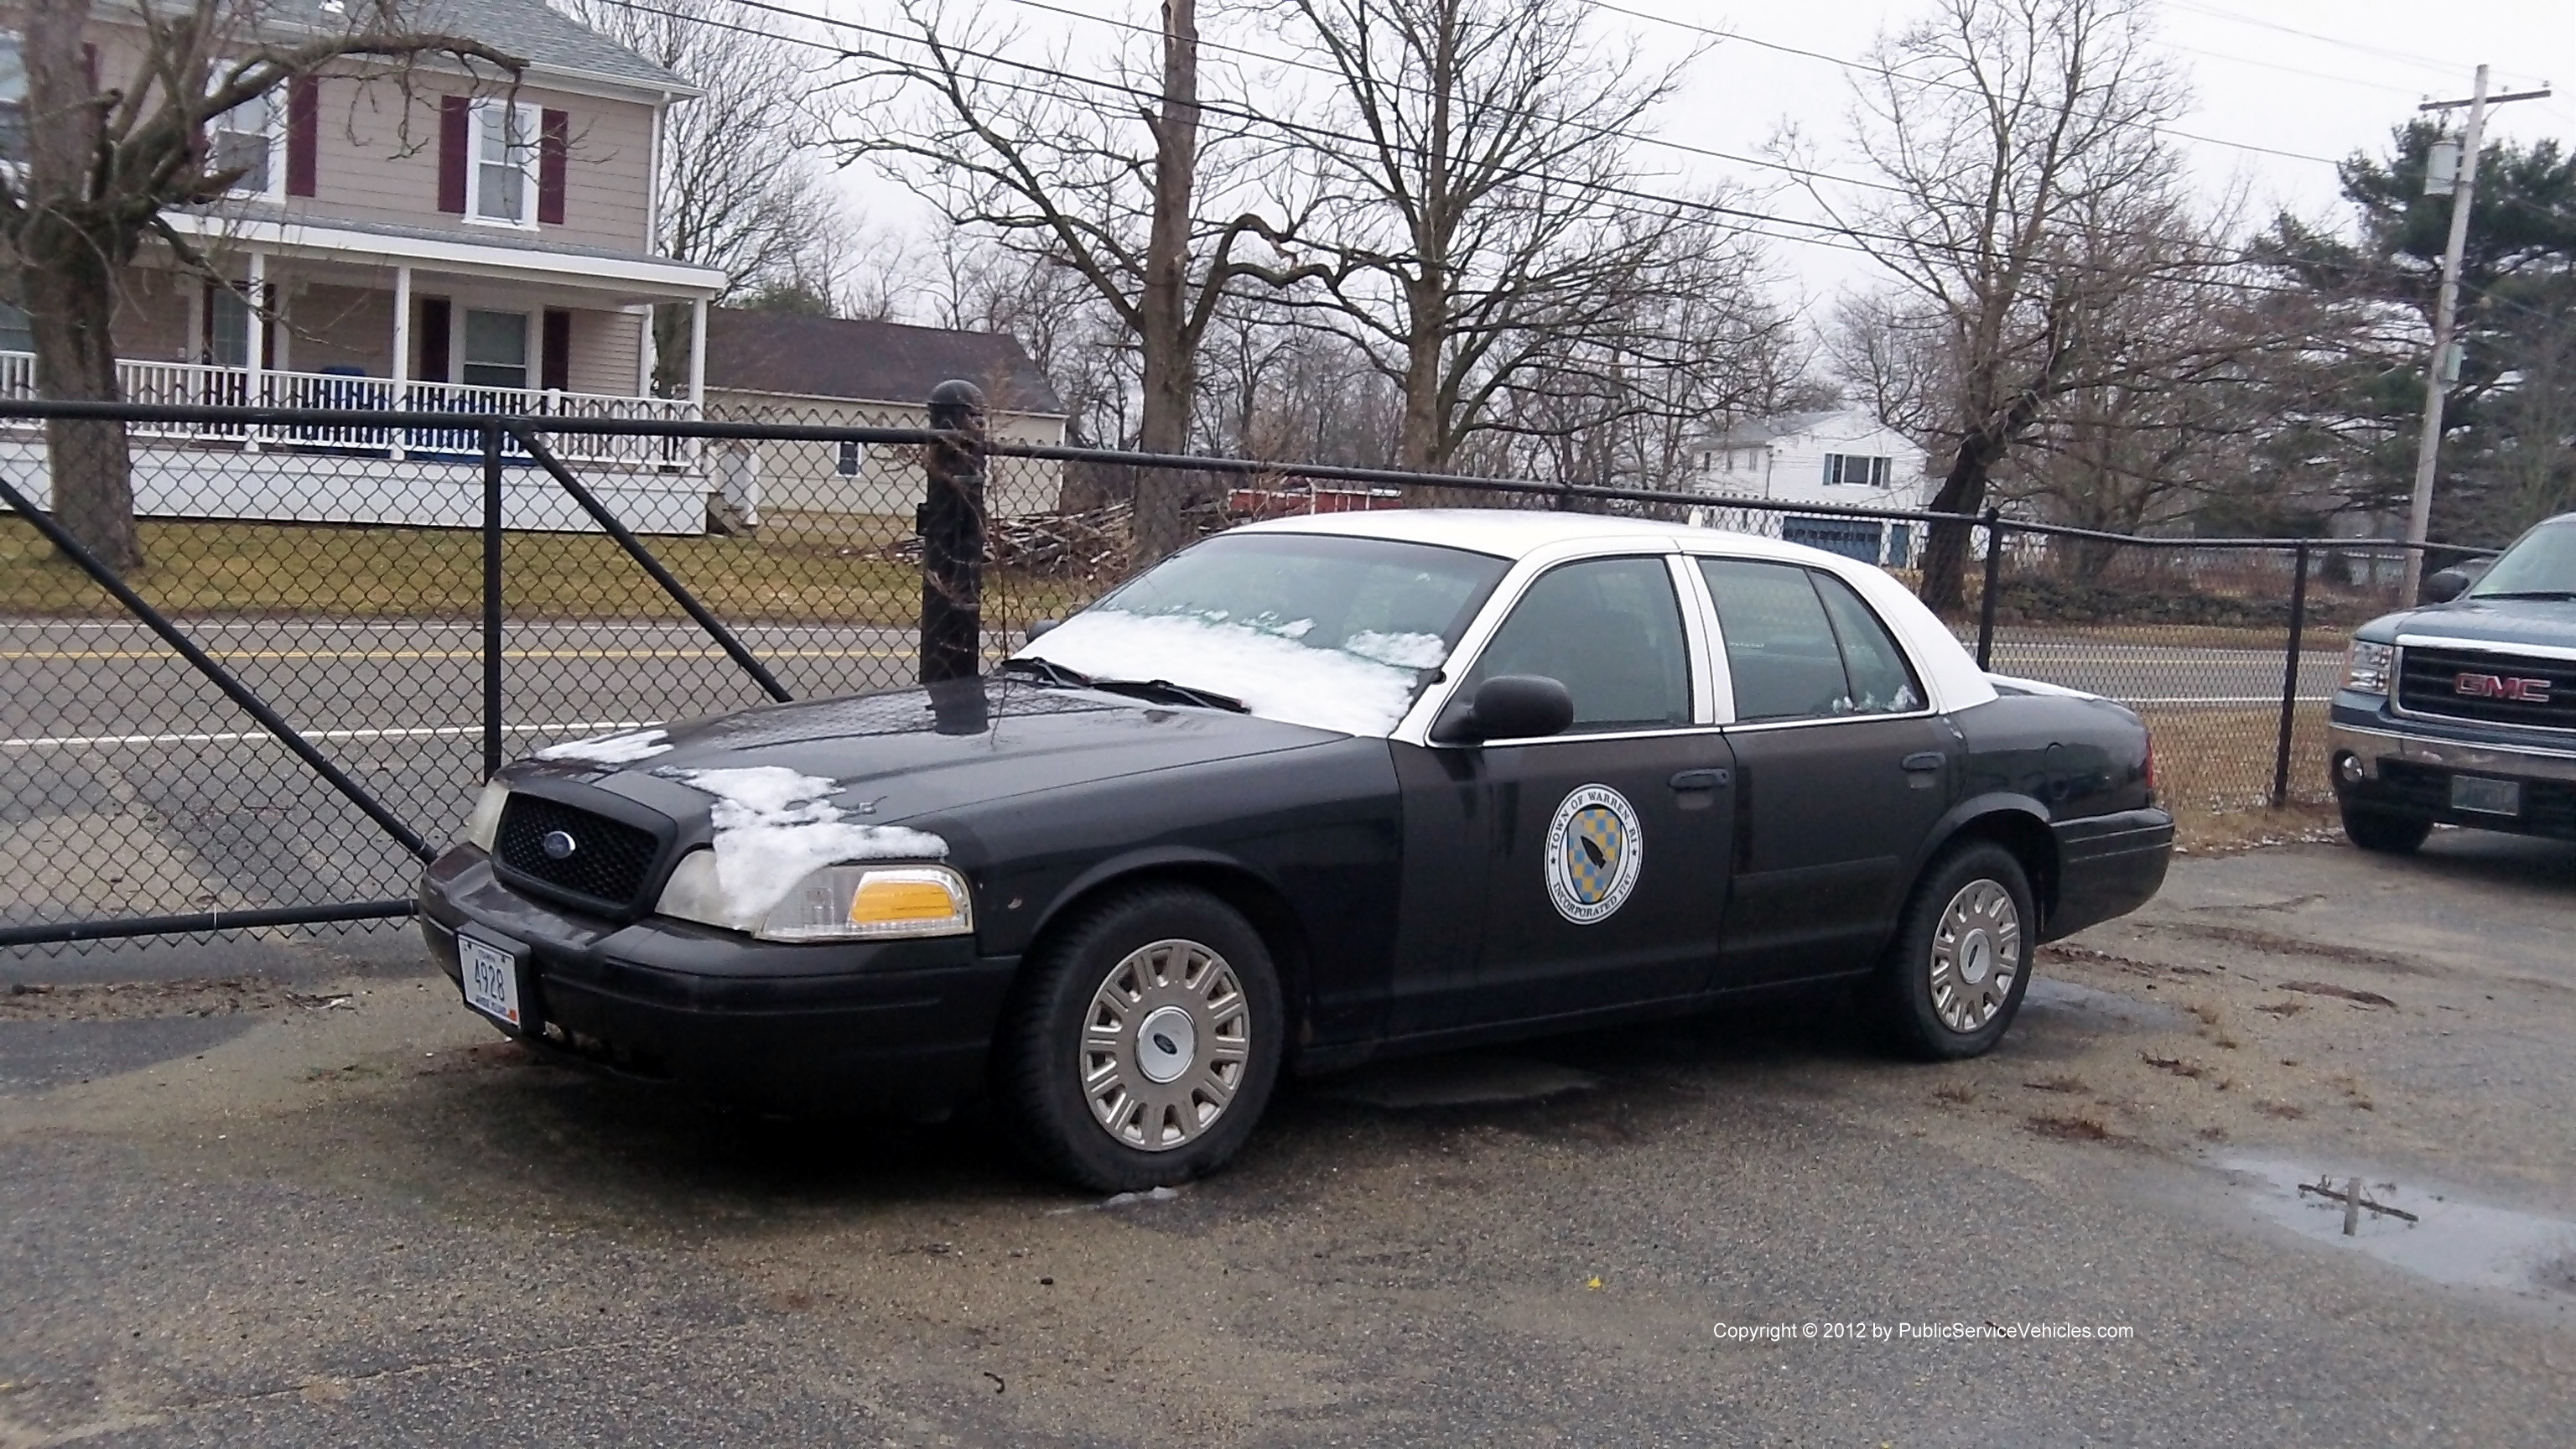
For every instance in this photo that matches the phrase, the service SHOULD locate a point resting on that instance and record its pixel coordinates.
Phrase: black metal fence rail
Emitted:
(392, 629)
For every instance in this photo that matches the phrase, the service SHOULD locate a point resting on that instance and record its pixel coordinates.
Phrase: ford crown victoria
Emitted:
(1305, 793)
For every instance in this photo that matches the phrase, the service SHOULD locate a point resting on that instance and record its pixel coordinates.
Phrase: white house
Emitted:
(1841, 456)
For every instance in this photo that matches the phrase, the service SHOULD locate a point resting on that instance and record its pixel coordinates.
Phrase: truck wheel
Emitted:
(2386, 834)
(1143, 1043)
(1954, 976)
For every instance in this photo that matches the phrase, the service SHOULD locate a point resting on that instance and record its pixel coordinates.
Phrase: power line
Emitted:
(1866, 68)
(2417, 60)
(1835, 235)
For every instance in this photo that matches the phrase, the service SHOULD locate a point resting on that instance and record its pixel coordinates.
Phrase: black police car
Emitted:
(1305, 793)
(2464, 711)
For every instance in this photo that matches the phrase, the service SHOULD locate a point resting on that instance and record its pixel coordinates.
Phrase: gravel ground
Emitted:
(281, 1192)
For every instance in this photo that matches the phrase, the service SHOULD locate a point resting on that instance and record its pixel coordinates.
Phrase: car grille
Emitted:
(2548, 806)
(2429, 682)
(607, 867)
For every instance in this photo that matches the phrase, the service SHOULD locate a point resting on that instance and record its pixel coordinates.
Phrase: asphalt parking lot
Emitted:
(287, 1192)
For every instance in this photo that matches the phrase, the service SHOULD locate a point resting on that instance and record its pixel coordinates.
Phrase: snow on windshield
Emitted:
(774, 826)
(621, 749)
(1274, 675)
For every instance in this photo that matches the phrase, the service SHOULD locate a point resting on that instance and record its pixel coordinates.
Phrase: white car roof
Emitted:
(1516, 533)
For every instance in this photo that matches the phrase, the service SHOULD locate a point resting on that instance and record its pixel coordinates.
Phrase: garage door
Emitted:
(1850, 537)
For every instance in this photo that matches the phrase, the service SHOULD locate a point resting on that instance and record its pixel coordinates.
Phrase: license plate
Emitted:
(490, 976)
(2486, 797)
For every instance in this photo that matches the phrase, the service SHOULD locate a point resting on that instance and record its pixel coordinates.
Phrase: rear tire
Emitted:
(2382, 833)
(1953, 978)
(1143, 1043)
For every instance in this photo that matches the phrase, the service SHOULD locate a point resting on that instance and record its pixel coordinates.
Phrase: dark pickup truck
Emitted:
(2464, 711)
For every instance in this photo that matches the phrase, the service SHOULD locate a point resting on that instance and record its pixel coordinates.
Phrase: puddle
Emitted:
(1454, 1081)
(2461, 1243)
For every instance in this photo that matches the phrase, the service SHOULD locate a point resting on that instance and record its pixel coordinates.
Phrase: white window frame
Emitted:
(531, 338)
(11, 45)
(530, 123)
(275, 103)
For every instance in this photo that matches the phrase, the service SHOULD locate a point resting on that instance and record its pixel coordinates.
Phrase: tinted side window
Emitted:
(1780, 648)
(1610, 631)
(1881, 683)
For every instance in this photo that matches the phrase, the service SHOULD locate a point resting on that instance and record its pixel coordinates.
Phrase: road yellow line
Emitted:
(707, 652)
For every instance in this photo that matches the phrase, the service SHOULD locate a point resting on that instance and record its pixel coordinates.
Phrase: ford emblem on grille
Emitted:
(558, 845)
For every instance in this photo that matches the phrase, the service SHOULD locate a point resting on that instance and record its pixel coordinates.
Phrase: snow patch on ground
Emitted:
(774, 826)
(623, 749)
(1278, 677)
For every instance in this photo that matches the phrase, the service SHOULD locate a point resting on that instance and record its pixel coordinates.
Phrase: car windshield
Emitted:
(1339, 633)
(2542, 564)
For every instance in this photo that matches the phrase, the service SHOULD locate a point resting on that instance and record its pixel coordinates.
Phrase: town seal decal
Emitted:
(1594, 852)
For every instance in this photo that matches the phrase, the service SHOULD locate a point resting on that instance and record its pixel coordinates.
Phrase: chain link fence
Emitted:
(345, 619)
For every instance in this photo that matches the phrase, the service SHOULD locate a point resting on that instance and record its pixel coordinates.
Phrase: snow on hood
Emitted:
(620, 749)
(774, 826)
(1278, 677)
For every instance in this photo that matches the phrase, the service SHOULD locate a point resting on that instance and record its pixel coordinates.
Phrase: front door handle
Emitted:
(1919, 763)
(1702, 780)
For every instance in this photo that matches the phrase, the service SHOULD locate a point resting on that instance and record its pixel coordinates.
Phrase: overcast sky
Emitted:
(2317, 79)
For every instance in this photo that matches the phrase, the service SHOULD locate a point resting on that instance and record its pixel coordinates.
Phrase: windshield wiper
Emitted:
(1166, 689)
(2528, 594)
(1046, 670)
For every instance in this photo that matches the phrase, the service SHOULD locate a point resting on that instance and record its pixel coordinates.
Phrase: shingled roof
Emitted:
(545, 37)
(881, 362)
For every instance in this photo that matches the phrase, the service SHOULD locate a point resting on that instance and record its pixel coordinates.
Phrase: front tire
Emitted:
(1144, 1042)
(1953, 978)
(2384, 834)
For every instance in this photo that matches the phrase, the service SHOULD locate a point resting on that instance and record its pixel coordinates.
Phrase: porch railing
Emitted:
(188, 384)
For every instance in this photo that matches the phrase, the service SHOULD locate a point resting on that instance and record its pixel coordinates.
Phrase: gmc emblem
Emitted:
(2493, 686)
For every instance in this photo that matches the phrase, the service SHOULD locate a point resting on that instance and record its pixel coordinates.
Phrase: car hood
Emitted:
(916, 752)
(2483, 621)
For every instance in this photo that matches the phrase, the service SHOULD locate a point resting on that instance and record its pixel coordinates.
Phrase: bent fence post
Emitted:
(222, 678)
(951, 523)
(645, 560)
(122, 927)
(1986, 599)
(2290, 678)
(491, 598)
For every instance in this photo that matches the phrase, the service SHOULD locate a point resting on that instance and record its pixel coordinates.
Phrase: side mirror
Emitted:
(1037, 627)
(1507, 707)
(2443, 585)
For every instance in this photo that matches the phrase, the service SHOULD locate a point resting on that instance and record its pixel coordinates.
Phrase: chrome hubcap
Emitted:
(1976, 954)
(1165, 1046)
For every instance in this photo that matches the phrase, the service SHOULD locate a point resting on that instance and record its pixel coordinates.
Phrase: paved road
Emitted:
(290, 1222)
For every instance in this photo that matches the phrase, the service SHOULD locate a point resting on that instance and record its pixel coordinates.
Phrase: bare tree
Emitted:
(1474, 220)
(2014, 146)
(1107, 180)
(103, 166)
(741, 187)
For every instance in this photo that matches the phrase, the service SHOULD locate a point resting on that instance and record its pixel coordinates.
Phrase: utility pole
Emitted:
(2444, 367)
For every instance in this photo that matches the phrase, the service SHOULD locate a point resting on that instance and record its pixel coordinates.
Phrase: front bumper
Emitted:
(898, 1026)
(2404, 766)
(2107, 866)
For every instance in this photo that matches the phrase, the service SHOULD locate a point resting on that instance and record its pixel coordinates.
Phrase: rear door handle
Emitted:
(1702, 779)
(1918, 763)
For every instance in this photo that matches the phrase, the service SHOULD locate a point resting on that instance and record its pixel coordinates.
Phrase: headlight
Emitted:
(836, 903)
(484, 825)
(2366, 666)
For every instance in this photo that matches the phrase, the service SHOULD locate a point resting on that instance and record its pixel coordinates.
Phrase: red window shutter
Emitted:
(435, 317)
(303, 133)
(554, 142)
(455, 150)
(555, 368)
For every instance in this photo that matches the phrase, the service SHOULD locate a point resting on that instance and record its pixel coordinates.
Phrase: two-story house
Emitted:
(411, 237)
(1840, 456)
